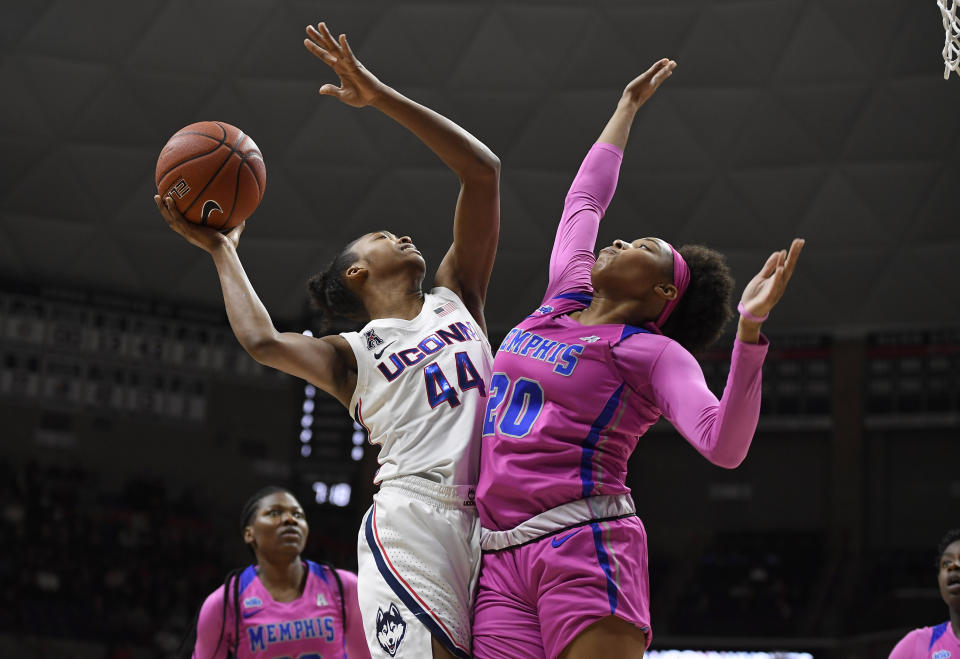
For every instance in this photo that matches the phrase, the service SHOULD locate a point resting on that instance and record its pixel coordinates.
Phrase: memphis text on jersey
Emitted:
(528, 344)
(263, 636)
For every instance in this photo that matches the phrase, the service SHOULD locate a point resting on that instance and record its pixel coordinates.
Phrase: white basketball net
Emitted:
(951, 45)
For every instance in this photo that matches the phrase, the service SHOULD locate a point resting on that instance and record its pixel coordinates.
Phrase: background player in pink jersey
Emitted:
(428, 431)
(282, 606)
(943, 640)
(564, 568)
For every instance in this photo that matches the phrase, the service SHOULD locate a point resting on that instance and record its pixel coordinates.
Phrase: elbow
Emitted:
(258, 346)
(485, 168)
(728, 461)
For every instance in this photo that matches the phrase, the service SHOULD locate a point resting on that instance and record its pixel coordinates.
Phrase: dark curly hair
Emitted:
(330, 294)
(951, 537)
(704, 310)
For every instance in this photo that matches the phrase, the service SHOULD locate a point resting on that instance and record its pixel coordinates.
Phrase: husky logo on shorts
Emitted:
(372, 339)
(390, 629)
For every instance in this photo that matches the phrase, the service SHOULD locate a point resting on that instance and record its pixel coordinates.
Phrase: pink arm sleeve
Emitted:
(586, 202)
(356, 640)
(721, 431)
(209, 626)
(909, 647)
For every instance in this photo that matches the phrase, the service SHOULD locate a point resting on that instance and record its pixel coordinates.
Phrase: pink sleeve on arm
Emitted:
(910, 646)
(721, 430)
(356, 640)
(586, 202)
(209, 627)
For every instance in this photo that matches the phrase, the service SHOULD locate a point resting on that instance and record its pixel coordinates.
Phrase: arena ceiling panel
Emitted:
(827, 119)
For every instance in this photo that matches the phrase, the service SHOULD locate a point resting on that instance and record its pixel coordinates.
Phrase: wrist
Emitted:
(628, 104)
(221, 248)
(746, 315)
(748, 331)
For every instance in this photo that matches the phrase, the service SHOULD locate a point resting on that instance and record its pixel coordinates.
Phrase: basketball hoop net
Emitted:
(951, 45)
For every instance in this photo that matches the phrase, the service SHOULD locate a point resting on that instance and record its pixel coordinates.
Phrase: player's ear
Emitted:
(248, 535)
(666, 291)
(356, 273)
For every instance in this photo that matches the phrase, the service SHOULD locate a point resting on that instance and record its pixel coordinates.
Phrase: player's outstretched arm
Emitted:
(635, 94)
(328, 362)
(467, 265)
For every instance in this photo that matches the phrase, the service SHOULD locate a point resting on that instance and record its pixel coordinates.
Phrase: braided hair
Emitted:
(951, 537)
(330, 294)
(703, 311)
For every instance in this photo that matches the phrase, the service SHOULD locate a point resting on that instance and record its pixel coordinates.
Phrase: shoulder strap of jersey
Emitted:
(938, 631)
(343, 599)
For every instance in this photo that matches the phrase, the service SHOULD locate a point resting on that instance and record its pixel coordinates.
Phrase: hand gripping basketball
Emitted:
(214, 173)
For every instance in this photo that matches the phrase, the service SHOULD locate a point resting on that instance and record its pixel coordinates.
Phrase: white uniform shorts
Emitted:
(419, 556)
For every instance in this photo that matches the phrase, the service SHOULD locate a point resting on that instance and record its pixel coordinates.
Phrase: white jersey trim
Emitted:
(565, 516)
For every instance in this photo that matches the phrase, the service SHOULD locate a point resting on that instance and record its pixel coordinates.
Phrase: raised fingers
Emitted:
(328, 41)
(664, 69)
(792, 256)
(314, 44)
(345, 45)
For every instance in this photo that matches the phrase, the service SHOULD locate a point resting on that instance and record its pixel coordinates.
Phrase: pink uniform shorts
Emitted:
(535, 598)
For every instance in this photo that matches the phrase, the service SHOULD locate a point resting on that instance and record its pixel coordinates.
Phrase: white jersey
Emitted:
(422, 390)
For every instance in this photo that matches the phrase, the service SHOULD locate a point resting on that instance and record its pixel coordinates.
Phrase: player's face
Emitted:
(949, 576)
(633, 268)
(385, 251)
(279, 525)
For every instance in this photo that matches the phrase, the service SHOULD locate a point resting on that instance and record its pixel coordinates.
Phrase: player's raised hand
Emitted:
(767, 287)
(644, 85)
(205, 238)
(358, 87)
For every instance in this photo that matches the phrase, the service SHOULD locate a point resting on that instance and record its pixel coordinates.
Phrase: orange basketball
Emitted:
(214, 172)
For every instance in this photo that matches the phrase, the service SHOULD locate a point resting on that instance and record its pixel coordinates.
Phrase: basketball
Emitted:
(214, 172)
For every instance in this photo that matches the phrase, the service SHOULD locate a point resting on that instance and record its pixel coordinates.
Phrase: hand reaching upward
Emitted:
(358, 87)
(644, 85)
(767, 287)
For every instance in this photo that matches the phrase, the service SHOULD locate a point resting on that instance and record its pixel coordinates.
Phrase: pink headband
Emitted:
(681, 279)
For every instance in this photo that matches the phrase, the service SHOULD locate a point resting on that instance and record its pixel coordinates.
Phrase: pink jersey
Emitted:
(567, 402)
(309, 627)
(938, 642)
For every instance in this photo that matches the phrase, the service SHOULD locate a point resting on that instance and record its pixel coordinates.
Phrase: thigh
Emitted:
(505, 621)
(607, 637)
(391, 628)
(416, 568)
(590, 573)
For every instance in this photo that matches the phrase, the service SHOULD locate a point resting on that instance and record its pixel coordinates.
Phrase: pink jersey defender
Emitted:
(312, 625)
(562, 544)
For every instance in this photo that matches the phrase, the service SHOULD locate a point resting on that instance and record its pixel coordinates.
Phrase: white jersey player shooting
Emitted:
(415, 375)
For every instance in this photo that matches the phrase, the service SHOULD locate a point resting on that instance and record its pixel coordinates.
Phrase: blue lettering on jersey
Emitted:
(263, 636)
(458, 332)
(570, 358)
(528, 344)
(941, 654)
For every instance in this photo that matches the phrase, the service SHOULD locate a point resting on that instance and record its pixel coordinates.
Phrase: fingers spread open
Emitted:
(320, 52)
(328, 41)
(345, 45)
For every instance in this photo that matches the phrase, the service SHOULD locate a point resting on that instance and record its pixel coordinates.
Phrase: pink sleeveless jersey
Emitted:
(567, 402)
(938, 642)
(309, 627)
